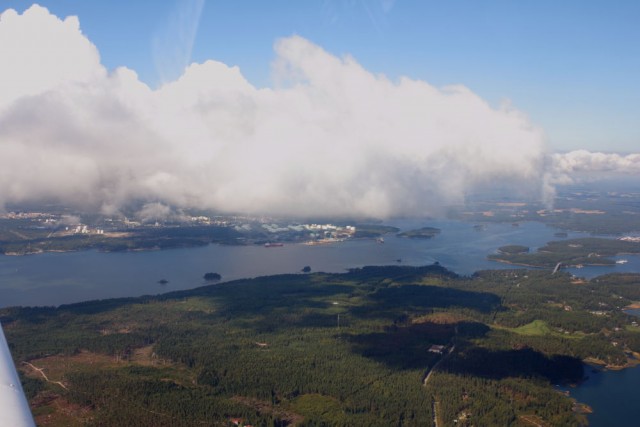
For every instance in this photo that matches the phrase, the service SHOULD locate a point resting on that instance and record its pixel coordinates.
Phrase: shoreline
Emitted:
(504, 261)
(631, 363)
(157, 248)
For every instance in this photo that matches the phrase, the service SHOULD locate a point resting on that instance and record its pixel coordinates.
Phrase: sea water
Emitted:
(62, 278)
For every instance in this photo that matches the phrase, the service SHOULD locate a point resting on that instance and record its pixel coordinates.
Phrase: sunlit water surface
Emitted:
(61, 278)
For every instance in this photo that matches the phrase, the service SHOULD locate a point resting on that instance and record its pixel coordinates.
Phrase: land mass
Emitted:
(571, 252)
(27, 233)
(421, 233)
(327, 349)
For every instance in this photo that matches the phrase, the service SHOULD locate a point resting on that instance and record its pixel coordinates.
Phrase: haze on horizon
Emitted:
(328, 137)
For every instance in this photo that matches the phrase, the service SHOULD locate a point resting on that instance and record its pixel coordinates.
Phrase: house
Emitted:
(439, 349)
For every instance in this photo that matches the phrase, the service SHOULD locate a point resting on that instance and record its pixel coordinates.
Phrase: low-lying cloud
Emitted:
(329, 138)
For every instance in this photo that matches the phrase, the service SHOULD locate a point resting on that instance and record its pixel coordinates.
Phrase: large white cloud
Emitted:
(330, 138)
(582, 161)
(40, 52)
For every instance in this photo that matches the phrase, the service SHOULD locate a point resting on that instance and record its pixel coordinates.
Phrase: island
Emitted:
(212, 277)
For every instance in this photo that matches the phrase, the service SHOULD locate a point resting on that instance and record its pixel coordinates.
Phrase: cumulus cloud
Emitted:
(585, 162)
(50, 52)
(329, 138)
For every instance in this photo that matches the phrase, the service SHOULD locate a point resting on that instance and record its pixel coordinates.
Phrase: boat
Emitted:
(380, 240)
(273, 245)
(622, 261)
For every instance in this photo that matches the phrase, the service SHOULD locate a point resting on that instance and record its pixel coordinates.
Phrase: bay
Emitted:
(62, 278)
(611, 394)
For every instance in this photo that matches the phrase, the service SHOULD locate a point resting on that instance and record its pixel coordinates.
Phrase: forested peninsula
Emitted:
(373, 346)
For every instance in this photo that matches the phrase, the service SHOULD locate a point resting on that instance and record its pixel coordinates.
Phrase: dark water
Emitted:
(60, 278)
(612, 395)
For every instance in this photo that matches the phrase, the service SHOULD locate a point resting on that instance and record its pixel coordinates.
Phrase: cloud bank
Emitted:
(329, 138)
(584, 161)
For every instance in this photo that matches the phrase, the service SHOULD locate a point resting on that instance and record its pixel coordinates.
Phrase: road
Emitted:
(428, 376)
(435, 403)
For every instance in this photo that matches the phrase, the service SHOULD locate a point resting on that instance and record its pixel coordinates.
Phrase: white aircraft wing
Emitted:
(14, 409)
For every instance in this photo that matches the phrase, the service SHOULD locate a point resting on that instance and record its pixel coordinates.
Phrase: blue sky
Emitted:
(572, 66)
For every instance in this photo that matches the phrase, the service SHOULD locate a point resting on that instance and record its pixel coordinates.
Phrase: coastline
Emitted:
(522, 264)
(605, 391)
(632, 362)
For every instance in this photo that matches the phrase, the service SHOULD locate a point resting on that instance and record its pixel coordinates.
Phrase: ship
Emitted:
(273, 245)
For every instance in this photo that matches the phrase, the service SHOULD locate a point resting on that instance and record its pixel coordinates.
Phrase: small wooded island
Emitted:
(212, 277)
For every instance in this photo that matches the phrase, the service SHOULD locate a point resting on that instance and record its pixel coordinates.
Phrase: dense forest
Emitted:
(373, 346)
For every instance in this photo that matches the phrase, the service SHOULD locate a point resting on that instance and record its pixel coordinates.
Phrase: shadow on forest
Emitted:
(525, 363)
(273, 303)
(282, 301)
(398, 273)
(407, 347)
(275, 323)
(43, 313)
(387, 301)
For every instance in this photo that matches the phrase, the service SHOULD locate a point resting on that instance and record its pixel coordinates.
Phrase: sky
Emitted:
(365, 107)
(572, 66)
